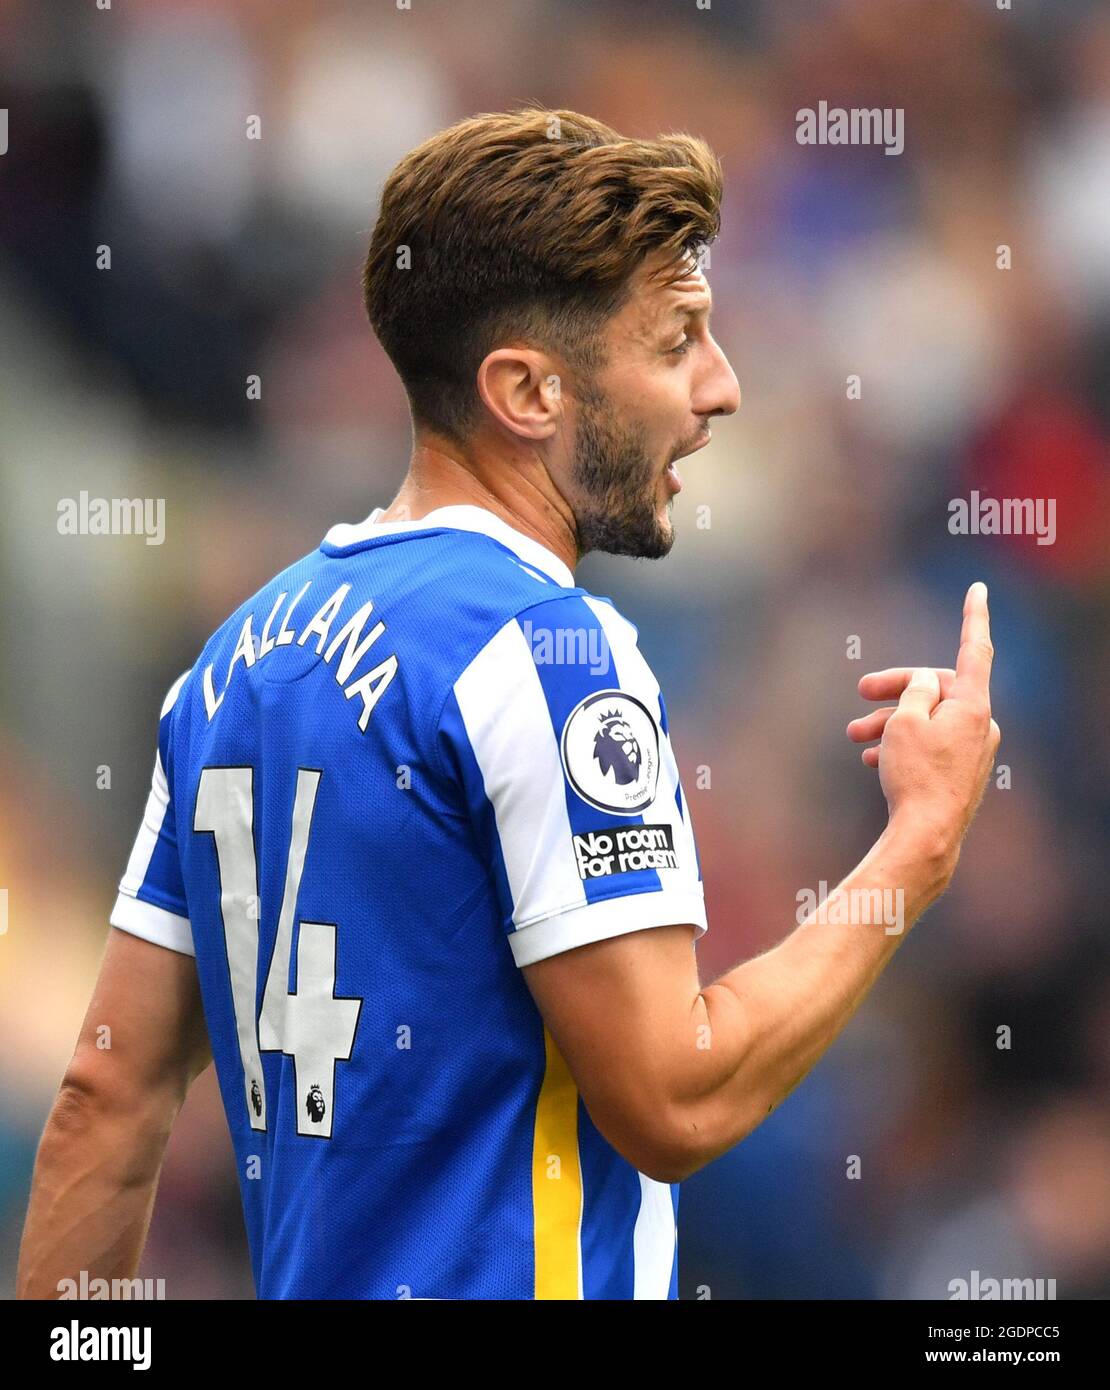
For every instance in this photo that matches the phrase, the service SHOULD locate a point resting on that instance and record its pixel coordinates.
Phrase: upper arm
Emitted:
(627, 1016)
(144, 1033)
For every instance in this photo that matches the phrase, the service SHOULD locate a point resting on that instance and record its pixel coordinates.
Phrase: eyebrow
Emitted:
(679, 312)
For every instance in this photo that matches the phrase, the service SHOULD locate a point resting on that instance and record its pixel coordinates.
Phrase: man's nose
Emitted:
(720, 391)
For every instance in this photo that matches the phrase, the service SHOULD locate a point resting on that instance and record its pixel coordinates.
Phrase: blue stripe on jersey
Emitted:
(611, 1203)
(553, 627)
(162, 884)
(451, 724)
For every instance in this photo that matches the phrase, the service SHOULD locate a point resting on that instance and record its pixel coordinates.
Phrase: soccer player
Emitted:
(417, 870)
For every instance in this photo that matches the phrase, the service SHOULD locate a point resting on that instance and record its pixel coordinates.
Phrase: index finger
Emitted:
(976, 654)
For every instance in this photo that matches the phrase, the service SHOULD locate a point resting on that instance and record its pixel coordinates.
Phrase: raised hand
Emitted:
(939, 741)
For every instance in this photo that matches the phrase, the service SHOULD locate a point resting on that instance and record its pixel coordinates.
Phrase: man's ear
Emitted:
(522, 389)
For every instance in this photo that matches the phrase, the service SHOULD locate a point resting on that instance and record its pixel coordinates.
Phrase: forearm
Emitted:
(93, 1190)
(762, 1026)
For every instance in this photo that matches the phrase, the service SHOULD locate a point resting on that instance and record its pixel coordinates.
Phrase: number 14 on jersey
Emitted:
(308, 1023)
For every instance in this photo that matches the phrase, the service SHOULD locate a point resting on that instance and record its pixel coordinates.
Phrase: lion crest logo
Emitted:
(256, 1097)
(617, 749)
(610, 752)
(314, 1104)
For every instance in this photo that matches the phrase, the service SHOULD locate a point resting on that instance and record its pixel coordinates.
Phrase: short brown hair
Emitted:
(523, 226)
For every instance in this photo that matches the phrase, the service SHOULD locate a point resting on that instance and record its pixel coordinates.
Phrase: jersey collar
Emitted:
(457, 518)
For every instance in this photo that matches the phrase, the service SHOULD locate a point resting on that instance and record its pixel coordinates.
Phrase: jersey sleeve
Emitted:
(557, 734)
(151, 901)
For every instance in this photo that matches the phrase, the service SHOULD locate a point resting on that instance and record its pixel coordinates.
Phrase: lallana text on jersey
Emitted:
(252, 647)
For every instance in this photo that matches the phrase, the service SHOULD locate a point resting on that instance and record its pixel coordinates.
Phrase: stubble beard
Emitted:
(616, 486)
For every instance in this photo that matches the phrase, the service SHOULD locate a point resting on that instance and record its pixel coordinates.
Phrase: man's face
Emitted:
(651, 404)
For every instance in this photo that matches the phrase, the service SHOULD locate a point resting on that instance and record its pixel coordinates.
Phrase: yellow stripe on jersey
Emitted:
(556, 1180)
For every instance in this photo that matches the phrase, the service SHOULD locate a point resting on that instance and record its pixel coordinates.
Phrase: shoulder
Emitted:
(581, 633)
(568, 668)
(556, 627)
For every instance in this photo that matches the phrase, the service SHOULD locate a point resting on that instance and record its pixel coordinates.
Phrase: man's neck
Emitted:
(523, 496)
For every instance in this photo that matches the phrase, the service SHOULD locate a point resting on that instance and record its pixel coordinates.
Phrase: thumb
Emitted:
(922, 694)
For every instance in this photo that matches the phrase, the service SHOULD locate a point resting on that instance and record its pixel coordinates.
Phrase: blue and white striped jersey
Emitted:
(418, 759)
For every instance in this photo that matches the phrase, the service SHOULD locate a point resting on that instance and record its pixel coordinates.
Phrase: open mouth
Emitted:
(671, 473)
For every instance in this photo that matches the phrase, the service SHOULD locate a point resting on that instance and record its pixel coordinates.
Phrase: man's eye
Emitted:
(681, 348)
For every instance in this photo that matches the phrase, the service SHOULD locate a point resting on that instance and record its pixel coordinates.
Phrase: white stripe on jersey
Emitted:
(171, 697)
(153, 924)
(609, 917)
(504, 711)
(654, 1240)
(130, 913)
(146, 841)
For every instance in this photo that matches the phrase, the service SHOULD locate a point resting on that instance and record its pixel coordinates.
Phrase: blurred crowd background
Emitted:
(828, 521)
